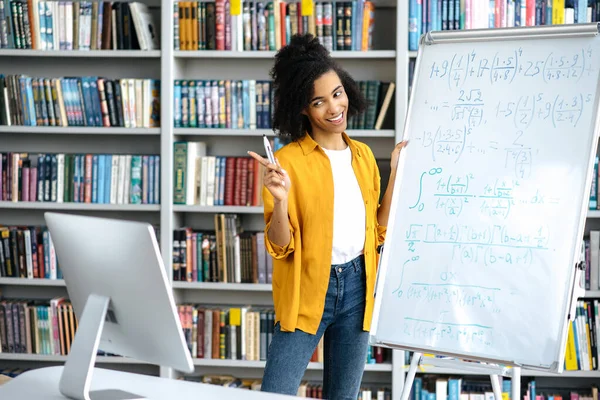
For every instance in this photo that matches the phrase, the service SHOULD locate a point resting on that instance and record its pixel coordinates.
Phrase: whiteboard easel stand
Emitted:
(495, 371)
(576, 291)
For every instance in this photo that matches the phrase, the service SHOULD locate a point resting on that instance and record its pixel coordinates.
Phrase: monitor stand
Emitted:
(76, 377)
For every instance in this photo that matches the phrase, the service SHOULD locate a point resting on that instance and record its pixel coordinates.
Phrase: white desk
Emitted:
(42, 383)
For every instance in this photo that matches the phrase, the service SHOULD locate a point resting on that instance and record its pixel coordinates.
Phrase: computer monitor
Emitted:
(118, 286)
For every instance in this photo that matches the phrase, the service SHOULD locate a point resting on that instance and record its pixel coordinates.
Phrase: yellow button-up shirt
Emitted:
(301, 269)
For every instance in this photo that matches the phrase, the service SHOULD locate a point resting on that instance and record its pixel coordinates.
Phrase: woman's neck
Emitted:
(329, 141)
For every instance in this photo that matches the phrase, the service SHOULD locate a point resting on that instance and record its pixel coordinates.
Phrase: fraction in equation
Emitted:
(455, 70)
(469, 106)
(496, 207)
(447, 142)
(560, 66)
(504, 68)
(453, 194)
(520, 160)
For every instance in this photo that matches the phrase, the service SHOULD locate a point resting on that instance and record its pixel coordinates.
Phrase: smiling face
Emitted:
(329, 105)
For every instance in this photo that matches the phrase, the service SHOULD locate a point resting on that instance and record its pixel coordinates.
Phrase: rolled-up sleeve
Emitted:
(278, 252)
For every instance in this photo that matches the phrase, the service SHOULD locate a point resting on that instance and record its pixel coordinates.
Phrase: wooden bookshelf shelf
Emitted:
(589, 294)
(371, 133)
(79, 130)
(80, 53)
(33, 205)
(373, 54)
(32, 282)
(237, 287)
(54, 358)
(209, 362)
(218, 209)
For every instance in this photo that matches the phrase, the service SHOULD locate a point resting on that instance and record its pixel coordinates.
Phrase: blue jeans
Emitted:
(345, 343)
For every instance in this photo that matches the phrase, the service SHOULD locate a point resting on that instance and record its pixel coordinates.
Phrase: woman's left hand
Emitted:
(396, 154)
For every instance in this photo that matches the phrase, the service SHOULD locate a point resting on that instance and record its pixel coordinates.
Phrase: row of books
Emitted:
(79, 101)
(591, 257)
(214, 180)
(226, 255)
(427, 15)
(47, 327)
(314, 390)
(564, 394)
(248, 104)
(243, 104)
(264, 25)
(76, 25)
(583, 338)
(27, 252)
(594, 204)
(433, 386)
(227, 333)
(452, 388)
(380, 98)
(80, 178)
(37, 327)
(241, 333)
(306, 389)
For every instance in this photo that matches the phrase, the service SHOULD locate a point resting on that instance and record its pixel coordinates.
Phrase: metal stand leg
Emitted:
(496, 386)
(516, 384)
(410, 376)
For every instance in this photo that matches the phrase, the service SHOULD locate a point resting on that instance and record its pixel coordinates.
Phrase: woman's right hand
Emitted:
(275, 178)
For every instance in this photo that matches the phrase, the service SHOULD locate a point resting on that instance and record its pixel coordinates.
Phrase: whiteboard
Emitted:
(490, 200)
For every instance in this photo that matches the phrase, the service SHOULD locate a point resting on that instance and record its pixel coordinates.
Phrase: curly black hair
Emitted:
(297, 66)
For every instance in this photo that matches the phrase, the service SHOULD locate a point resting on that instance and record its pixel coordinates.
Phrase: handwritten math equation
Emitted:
(503, 68)
(453, 193)
(474, 335)
(478, 234)
(522, 112)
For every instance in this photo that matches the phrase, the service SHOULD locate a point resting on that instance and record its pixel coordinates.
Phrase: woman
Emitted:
(323, 223)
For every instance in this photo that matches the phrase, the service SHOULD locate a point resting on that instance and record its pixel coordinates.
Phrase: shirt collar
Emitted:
(308, 144)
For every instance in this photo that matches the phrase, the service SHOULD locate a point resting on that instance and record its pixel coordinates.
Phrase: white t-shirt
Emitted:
(348, 208)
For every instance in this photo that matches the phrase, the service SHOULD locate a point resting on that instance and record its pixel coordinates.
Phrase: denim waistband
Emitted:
(357, 263)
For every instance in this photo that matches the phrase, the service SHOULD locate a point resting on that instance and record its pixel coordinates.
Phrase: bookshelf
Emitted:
(168, 65)
(525, 373)
(374, 54)
(79, 53)
(78, 206)
(387, 62)
(84, 130)
(358, 133)
(313, 366)
(219, 209)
